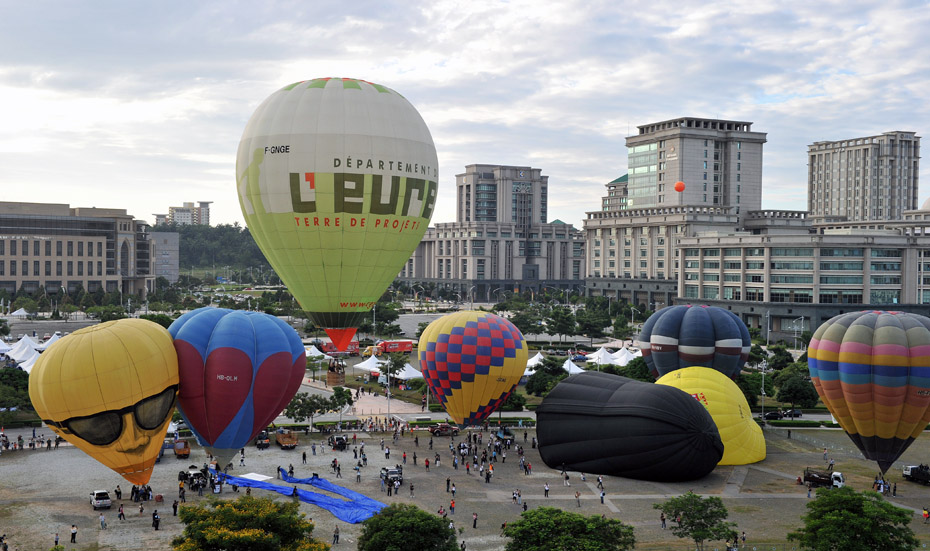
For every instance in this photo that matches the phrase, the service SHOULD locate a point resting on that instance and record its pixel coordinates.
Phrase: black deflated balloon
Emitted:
(605, 424)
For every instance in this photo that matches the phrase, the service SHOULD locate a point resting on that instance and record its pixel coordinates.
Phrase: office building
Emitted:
(186, 215)
(719, 162)
(871, 178)
(166, 255)
(55, 246)
(501, 239)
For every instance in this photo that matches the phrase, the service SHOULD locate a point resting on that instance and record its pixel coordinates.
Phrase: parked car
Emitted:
(262, 441)
(100, 499)
(338, 442)
(774, 415)
(444, 429)
(391, 474)
(793, 413)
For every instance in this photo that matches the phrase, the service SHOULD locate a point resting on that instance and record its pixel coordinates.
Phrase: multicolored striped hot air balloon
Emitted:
(472, 361)
(872, 370)
(684, 336)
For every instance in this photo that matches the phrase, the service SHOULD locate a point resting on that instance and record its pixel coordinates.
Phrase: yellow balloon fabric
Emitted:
(110, 389)
(742, 437)
(472, 361)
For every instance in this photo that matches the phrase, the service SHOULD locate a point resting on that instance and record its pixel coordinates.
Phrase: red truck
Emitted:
(391, 347)
(330, 348)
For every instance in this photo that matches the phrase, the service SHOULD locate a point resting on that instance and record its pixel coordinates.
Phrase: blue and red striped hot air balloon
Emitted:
(238, 370)
(872, 370)
(683, 336)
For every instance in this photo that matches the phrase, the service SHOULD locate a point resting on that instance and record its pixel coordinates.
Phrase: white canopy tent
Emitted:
(571, 368)
(26, 362)
(21, 313)
(623, 356)
(314, 352)
(409, 372)
(4, 347)
(52, 340)
(372, 364)
(602, 357)
(23, 349)
(535, 360)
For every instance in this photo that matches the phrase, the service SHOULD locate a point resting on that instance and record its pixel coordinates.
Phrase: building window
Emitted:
(25, 267)
(35, 267)
(12, 251)
(80, 248)
(70, 268)
(58, 267)
(48, 248)
(48, 265)
(70, 249)
(58, 249)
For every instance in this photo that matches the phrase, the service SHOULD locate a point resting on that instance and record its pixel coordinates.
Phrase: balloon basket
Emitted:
(334, 378)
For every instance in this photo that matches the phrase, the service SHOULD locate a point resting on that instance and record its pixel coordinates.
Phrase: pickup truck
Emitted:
(262, 441)
(285, 439)
(444, 429)
(917, 473)
(390, 474)
(339, 442)
(819, 479)
(182, 449)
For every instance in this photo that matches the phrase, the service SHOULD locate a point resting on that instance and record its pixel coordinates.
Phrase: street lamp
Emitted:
(796, 320)
(495, 291)
(471, 293)
(632, 328)
(764, 364)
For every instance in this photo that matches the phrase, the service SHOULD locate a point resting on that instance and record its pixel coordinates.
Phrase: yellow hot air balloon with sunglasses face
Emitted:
(110, 390)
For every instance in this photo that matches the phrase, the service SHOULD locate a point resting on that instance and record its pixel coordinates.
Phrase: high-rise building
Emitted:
(186, 215)
(501, 239)
(55, 246)
(719, 162)
(166, 255)
(860, 179)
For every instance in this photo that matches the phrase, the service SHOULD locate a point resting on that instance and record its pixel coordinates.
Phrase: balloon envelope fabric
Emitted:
(743, 441)
(684, 336)
(337, 180)
(472, 361)
(238, 371)
(606, 424)
(872, 370)
(110, 390)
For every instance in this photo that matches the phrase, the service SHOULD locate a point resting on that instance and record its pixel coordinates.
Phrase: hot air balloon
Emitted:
(742, 437)
(472, 361)
(679, 186)
(337, 182)
(606, 424)
(683, 336)
(872, 370)
(238, 371)
(110, 389)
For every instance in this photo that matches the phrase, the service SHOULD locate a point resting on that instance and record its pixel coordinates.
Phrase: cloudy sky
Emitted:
(141, 105)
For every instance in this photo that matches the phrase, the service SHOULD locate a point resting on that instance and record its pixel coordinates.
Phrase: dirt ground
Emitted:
(44, 492)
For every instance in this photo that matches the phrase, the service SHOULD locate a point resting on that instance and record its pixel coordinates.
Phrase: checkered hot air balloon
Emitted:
(684, 336)
(872, 370)
(472, 361)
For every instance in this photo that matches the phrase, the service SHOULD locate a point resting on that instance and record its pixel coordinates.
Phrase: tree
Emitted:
(702, 519)
(341, 398)
(161, 319)
(551, 529)
(404, 526)
(780, 358)
(843, 519)
(525, 321)
(421, 327)
(547, 375)
(638, 370)
(305, 406)
(751, 385)
(798, 390)
(756, 355)
(514, 402)
(591, 322)
(245, 524)
(560, 321)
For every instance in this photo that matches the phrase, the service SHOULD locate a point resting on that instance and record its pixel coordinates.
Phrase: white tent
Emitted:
(623, 356)
(22, 349)
(602, 357)
(372, 364)
(571, 368)
(314, 352)
(21, 313)
(28, 359)
(4, 347)
(535, 360)
(52, 340)
(409, 372)
(31, 361)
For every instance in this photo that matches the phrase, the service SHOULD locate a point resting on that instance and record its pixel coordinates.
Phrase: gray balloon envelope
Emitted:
(605, 424)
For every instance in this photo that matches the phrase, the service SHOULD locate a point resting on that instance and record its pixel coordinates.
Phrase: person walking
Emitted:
(121, 515)
(453, 490)
(474, 520)
(452, 507)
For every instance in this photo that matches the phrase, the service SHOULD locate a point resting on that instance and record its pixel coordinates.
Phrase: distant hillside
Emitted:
(222, 245)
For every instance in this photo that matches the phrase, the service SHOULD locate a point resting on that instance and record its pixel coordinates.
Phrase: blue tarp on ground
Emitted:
(358, 509)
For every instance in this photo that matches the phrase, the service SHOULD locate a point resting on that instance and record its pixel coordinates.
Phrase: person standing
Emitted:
(578, 497)
(743, 538)
(474, 520)
(121, 515)
(453, 490)
(74, 533)
(56, 539)
(174, 507)
(662, 520)
(894, 490)
(336, 535)
(546, 489)
(103, 522)
(452, 507)
(304, 457)
(156, 520)
(448, 481)
(118, 492)
(602, 497)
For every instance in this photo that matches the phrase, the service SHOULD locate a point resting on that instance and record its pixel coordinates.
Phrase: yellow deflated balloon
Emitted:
(110, 389)
(742, 437)
(472, 361)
